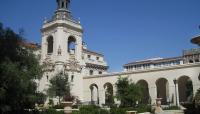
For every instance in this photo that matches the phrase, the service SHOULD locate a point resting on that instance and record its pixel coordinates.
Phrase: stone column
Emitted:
(177, 91)
(101, 96)
(153, 93)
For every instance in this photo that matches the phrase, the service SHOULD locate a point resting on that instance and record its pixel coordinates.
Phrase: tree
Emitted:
(128, 92)
(19, 69)
(60, 86)
(109, 99)
(189, 90)
(197, 98)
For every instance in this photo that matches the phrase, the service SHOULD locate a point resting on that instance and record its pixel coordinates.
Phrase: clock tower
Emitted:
(61, 48)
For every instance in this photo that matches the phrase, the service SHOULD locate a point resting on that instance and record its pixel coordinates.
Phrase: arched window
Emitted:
(50, 45)
(71, 45)
(91, 72)
(100, 72)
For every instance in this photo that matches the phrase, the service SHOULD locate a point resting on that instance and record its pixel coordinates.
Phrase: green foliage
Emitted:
(41, 98)
(109, 99)
(60, 86)
(118, 111)
(90, 109)
(45, 111)
(189, 91)
(197, 98)
(139, 109)
(18, 71)
(127, 92)
(51, 111)
(143, 108)
(172, 108)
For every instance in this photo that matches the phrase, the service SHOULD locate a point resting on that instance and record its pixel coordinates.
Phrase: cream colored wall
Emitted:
(170, 73)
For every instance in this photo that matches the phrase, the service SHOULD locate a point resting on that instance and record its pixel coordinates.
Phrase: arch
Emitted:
(185, 89)
(71, 45)
(50, 44)
(162, 86)
(94, 94)
(145, 91)
(109, 100)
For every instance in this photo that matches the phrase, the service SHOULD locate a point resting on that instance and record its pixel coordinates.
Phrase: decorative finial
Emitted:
(45, 19)
(79, 20)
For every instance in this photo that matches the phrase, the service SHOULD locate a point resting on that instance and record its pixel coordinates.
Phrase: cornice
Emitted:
(62, 23)
(145, 71)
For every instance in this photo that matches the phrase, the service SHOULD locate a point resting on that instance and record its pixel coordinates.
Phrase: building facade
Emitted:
(63, 50)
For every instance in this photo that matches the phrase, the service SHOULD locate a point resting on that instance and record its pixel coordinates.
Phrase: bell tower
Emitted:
(62, 47)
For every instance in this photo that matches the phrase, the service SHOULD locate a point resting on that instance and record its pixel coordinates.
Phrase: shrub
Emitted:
(143, 108)
(139, 109)
(172, 108)
(117, 111)
(91, 109)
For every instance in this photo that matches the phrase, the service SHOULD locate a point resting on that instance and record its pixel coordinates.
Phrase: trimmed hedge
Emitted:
(91, 109)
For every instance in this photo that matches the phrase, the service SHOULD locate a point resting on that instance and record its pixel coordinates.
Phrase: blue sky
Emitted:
(123, 30)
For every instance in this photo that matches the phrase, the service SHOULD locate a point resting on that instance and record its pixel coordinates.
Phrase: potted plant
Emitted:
(67, 103)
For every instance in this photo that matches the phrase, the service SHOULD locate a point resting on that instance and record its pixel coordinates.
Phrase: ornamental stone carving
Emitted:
(48, 64)
(73, 66)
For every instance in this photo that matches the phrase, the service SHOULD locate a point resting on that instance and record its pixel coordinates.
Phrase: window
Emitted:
(97, 58)
(89, 56)
(100, 72)
(72, 78)
(91, 72)
(63, 5)
(50, 45)
(47, 78)
(199, 76)
(196, 60)
(66, 5)
(190, 61)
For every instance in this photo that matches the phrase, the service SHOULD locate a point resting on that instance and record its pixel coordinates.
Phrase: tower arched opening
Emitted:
(145, 91)
(185, 89)
(162, 86)
(50, 45)
(71, 45)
